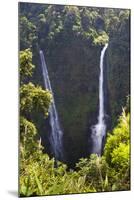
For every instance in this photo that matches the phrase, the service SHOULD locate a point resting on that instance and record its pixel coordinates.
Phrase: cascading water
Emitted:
(99, 130)
(56, 132)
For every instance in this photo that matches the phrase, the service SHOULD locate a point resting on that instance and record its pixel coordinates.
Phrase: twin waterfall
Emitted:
(99, 130)
(56, 132)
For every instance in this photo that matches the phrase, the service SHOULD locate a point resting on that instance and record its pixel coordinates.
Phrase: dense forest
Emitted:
(72, 38)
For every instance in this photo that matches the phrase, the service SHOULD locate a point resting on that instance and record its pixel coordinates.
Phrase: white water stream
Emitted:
(56, 132)
(99, 130)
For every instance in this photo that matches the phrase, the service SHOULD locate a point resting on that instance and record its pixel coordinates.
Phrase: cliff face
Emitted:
(118, 70)
(74, 75)
(73, 65)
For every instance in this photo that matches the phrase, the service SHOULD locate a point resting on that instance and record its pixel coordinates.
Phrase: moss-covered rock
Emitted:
(74, 75)
(118, 72)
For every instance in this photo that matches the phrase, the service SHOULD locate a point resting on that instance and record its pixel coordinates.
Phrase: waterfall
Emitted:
(99, 130)
(56, 132)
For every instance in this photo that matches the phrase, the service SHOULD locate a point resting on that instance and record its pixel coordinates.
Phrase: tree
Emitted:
(95, 170)
(119, 136)
(72, 19)
(34, 99)
(27, 33)
(117, 153)
(26, 66)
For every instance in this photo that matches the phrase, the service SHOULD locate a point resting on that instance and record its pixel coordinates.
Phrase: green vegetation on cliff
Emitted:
(71, 38)
(40, 176)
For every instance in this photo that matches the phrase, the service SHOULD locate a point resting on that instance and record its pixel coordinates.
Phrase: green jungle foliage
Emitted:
(72, 38)
(50, 22)
(42, 175)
